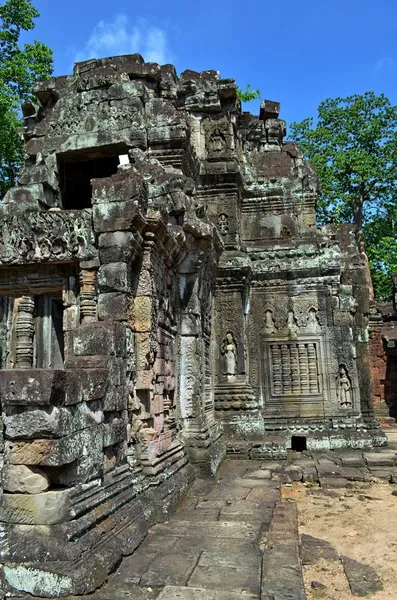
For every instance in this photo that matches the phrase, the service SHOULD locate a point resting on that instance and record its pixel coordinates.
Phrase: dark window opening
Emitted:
(49, 332)
(75, 179)
(176, 218)
(298, 443)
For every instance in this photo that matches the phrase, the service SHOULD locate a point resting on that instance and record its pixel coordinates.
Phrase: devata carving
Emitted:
(344, 389)
(229, 352)
(223, 224)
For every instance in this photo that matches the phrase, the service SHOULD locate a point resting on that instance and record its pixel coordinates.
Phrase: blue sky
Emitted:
(297, 53)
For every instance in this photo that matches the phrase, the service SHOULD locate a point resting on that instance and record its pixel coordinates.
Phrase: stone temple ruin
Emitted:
(166, 297)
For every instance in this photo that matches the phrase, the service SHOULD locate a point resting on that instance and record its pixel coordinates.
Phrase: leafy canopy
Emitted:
(20, 67)
(380, 236)
(353, 144)
(248, 94)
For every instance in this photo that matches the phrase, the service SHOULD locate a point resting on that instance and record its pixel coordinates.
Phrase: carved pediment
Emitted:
(46, 236)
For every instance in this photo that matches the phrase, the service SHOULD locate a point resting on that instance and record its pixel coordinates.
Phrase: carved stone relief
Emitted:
(229, 353)
(294, 369)
(223, 224)
(344, 388)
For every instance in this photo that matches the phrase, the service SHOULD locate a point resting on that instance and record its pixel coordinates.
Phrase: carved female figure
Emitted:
(344, 388)
(269, 322)
(229, 351)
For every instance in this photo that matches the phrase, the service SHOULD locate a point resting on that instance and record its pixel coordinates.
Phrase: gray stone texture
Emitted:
(158, 310)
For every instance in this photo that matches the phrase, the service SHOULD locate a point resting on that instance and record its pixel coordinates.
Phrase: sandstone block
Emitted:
(19, 478)
(47, 508)
(115, 306)
(115, 398)
(142, 319)
(103, 338)
(116, 216)
(32, 387)
(115, 277)
(53, 453)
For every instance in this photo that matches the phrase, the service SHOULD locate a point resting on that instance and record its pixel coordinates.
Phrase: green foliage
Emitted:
(353, 144)
(20, 67)
(380, 236)
(248, 94)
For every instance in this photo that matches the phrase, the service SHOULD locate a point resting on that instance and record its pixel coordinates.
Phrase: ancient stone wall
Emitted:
(162, 281)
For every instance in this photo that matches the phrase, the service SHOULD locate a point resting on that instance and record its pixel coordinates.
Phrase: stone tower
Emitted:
(165, 295)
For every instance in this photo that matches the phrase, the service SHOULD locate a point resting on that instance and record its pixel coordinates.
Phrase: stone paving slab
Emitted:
(204, 529)
(363, 580)
(190, 593)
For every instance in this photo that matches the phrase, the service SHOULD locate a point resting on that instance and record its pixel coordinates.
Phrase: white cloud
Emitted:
(120, 36)
(385, 63)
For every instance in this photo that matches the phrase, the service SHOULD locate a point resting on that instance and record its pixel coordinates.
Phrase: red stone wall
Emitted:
(378, 367)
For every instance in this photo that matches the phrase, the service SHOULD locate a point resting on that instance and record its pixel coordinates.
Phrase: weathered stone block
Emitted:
(116, 398)
(32, 387)
(48, 452)
(142, 315)
(269, 109)
(47, 509)
(34, 194)
(53, 422)
(116, 216)
(125, 185)
(118, 246)
(115, 277)
(103, 338)
(114, 432)
(19, 478)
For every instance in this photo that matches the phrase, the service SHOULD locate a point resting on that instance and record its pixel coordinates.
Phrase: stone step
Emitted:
(190, 593)
(282, 577)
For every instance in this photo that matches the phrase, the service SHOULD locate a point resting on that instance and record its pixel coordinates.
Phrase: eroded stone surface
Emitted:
(165, 296)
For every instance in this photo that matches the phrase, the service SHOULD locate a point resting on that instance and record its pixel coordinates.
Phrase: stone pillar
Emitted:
(230, 318)
(88, 309)
(201, 433)
(24, 333)
(378, 365)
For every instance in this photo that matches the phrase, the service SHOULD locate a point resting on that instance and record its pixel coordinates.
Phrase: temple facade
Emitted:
(166, 297)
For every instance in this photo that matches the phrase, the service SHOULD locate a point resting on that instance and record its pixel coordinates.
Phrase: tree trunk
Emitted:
(358, 224)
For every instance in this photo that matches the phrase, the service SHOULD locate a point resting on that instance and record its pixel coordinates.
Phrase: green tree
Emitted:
(20, 67)
(380, 237)
(353, 144)
(248, 94)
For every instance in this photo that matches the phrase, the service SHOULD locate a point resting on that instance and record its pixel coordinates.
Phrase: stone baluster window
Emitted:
(32, 333)
(294, 369)
(49, 346)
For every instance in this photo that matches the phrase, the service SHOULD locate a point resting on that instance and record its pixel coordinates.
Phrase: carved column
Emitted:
(295, 380)
(24, 333)
(276, 360)
(303, 369)
(286, 369)
(87, 296)
(312, 361)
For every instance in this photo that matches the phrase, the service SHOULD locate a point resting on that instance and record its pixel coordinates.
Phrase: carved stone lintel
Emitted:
(24, 333)
(88, 306)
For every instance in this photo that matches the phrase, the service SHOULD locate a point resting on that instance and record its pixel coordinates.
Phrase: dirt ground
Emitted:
(360, 522)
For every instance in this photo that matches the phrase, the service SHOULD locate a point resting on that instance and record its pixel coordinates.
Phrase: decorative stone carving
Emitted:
(229, 352)
(223, 224)
(269, 322)
(201, 329)
(88, 305)
(216, 142)
(46, 236)
(294, 368)
(344, 388)
(24, 333)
